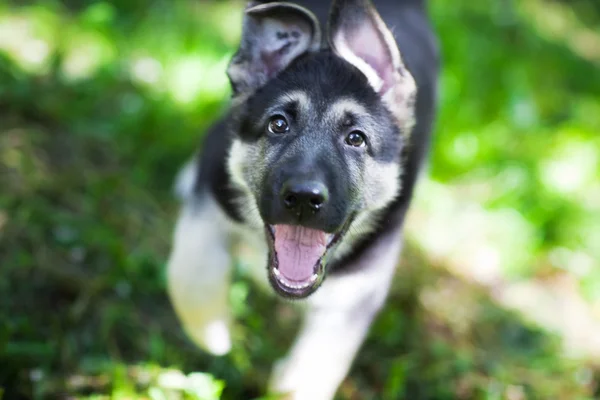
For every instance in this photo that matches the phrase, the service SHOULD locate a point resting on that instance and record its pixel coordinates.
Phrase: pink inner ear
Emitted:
(368, 44)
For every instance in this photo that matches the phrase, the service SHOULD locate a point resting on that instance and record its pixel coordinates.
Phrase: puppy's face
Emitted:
(319, 134)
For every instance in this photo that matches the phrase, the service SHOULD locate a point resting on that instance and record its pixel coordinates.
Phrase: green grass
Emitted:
(101, 103)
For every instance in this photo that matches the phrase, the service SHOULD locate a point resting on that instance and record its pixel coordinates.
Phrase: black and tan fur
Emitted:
(300, 98)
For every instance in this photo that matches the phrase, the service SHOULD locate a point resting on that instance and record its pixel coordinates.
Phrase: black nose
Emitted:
(298, 195)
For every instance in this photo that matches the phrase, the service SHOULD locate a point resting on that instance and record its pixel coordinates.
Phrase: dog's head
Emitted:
(319, 132)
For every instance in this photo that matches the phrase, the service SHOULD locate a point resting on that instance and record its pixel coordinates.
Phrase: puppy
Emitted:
(312, 169)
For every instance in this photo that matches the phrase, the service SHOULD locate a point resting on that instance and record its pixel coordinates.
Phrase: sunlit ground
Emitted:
(498, 294)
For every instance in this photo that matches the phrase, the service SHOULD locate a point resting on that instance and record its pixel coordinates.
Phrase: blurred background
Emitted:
(498, 291)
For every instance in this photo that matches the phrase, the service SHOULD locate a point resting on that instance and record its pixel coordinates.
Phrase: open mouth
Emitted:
(297, 258)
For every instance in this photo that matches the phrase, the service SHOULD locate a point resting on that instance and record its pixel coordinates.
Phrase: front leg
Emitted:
(337, 320)
(198, 274)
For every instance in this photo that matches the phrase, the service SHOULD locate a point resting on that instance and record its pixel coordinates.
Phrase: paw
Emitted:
(277, 382)
(291, 383)
(214, 336)
(204, 315)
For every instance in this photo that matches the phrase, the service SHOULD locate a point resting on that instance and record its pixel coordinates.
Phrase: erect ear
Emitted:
(273, 35)
(358, 35)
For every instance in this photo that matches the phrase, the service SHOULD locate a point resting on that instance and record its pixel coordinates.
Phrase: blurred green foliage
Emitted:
(101, 103)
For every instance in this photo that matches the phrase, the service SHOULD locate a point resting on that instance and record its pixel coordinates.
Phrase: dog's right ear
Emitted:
(273, 35)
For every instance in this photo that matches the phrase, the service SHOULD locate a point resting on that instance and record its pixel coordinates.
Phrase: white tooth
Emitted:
(282, 279)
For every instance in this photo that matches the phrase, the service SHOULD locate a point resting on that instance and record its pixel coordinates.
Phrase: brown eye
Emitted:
(278, 125)
(356, 139)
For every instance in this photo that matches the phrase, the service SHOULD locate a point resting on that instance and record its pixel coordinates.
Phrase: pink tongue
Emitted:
(298, 250)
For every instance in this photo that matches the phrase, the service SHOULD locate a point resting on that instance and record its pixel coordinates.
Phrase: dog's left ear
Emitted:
(358, 35)
(273, 35)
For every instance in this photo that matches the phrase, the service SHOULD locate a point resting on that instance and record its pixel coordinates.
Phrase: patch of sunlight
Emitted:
(523, 112)
(147, 70)
(465, 147)
(553, 21)
(587, 44)
(185, 78)
(591, 197)
(484, 245)
(229, 14)
(85, 53)
(557, 21)
(190, 77)
(512, 177)
(146, 381)
(591, 236)
(198, 385)
(556, 304)
(570, 168)
(22, 39)
(217, 77)
(447, 300)
(577, 262)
